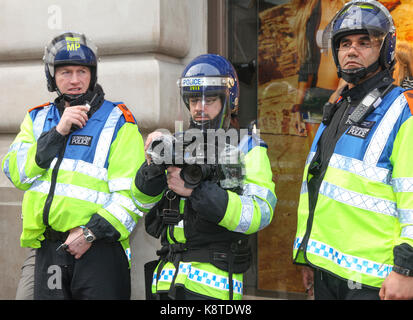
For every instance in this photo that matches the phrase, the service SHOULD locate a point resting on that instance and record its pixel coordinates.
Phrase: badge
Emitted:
(81, 140)
(362, 130)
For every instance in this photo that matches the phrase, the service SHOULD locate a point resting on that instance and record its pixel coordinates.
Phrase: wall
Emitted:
(143, 46)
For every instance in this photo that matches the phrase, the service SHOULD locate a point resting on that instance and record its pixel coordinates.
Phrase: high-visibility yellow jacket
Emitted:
(242, 214)
(92, 176)
(365, 202)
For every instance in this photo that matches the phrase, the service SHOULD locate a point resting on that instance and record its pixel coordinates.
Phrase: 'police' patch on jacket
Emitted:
(81, 141)
(362, 130)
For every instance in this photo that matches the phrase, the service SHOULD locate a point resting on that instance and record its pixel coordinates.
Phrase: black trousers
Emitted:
(329, 287)
(101, 273)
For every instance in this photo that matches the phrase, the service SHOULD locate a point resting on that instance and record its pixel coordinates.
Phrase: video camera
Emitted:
(199, 159)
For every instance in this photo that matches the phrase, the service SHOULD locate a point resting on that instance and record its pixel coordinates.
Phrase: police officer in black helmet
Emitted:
(357, 171)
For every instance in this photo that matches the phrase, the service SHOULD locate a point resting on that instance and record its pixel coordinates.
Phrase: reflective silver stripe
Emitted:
(6, 169)
(251, 189)
(382, 133)
(121, 214)
(247, 212)
(143, 205)
(119, 184)
(304, 187)
(22, 148)
(126, 202)
(360, 168)
(310, 157)
(407, 232)
(93, 196)
(265, 213)
(258, 193)
(21, 157)
(38, 122)
(405, 216)
(72, 191)
(346, 261)
(13, 148)
(358, 200)
(402, 184)
(83, 167)
(105, 139)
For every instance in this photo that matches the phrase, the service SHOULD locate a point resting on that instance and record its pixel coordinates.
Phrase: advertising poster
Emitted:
(296, 78)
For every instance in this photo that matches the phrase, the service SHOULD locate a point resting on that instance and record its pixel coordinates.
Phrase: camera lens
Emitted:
(192, 174)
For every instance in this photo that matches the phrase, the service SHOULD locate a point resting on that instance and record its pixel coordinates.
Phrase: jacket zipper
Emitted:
(304, 243)
(49, 199)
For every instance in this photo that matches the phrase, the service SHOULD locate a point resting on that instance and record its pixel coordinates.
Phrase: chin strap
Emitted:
(354, 76)
(69, 97)
(94, 97)
(206, 124)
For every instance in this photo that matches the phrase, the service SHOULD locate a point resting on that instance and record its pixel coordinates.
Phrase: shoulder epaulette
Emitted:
(126, 113)
(41, 106)
(409, 97)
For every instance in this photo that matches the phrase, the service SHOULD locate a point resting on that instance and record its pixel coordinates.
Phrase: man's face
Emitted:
(204, 110)
(357, 51)
(72, 79)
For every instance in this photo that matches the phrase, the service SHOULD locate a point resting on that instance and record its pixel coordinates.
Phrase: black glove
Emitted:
(151, 187)
(403, 256)
(210, 201)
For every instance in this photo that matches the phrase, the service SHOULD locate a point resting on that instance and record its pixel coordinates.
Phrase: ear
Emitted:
(51, 83)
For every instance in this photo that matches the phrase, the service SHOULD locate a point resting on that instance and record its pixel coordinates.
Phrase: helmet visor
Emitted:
(207, 99)
(371, 18)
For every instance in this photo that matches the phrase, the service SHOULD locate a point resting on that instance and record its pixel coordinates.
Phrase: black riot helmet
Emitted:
(363, 17)
(70, 48)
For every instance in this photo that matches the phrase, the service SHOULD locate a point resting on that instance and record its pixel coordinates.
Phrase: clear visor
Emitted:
(207, 99)
(361, 16)
(70, 42)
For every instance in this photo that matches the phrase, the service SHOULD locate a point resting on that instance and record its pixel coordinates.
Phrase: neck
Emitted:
(372, 74)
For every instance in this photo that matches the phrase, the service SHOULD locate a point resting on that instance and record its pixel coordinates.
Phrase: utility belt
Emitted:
(235, 258)
(222, 254)
(228, 254)
(54, 235)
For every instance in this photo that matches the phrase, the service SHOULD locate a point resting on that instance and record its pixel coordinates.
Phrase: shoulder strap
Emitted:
(41, 106)
(409, 97)
(126, 113)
